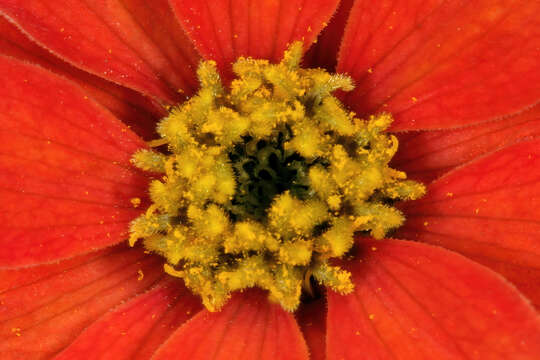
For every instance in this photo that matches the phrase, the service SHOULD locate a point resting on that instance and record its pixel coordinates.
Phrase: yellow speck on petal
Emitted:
(370, 70)
(371, 316)
(135, 202)
(414, 99)
(16, 331)
(140, 275)
(426, 223)
(449, 194)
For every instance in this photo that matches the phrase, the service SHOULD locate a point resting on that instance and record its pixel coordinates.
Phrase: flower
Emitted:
(461, 81)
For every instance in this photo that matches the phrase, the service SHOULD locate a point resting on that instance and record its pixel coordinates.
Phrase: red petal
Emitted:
(437, 64)
(223, 30)
(133, 108)
(427, 155)
(65, 176)
(489, 211)
(324, 52)
(312, 320)
(52, 304)
(135, 330)
(127, 42)
(248, 327)
(413, 301)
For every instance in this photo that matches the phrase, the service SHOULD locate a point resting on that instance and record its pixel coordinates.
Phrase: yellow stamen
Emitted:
(265, 183)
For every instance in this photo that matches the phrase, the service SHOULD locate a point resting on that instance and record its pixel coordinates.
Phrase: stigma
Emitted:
(264, 183)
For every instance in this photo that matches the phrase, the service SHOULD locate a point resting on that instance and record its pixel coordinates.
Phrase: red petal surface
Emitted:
(311, 318)
(324, 52)
(65, 177)
(136, 329)
(414, 301)
(442, 64)
(51, 304)
(133, 108)
(427, 155)
(223, 30)
(489, 211)
(248, 327)
(128, 42)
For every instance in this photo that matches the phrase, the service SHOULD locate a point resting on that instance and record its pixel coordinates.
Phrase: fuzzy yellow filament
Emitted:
(263, 184)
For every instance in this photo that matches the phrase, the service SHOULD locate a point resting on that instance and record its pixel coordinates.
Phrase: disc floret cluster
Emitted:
(263, 184)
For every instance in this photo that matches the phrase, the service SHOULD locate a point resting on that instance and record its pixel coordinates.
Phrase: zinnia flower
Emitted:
(84, 82)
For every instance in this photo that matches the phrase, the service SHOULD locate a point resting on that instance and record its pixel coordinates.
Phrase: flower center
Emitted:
(264, 184)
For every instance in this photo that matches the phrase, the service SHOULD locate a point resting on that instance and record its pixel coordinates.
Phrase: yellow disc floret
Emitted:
(263, 184)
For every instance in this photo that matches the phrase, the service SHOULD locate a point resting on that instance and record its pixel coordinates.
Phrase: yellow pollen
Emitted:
(266, 181)
(135, 202)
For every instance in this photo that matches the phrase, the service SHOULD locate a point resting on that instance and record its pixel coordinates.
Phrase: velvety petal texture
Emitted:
(223, 30)
(415, 301)
(135, 110)
(66, 181)
(324, 52)
(117, 40)
(488, 210)
(311, 317)
(48, 306)
(441, 64)
(427, 155)
(136, 329)
(248, 327)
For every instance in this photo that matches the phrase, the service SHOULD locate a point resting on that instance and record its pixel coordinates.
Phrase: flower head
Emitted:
(266, 174)
(267, 183)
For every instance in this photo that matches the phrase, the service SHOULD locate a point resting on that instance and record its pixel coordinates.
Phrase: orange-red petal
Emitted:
(489, 211)
(136, 329)
(50, 305)
(134, 109)
(415, 301)
(223, 30)
(66, 182)
(311, 318)
(426, 155)
(324, 52)
(248, 327)
(132, 43)
(442, 64)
